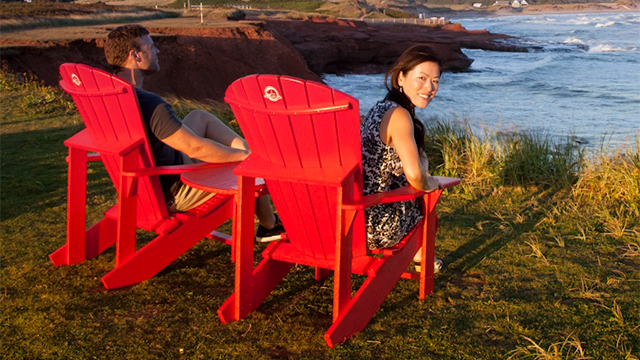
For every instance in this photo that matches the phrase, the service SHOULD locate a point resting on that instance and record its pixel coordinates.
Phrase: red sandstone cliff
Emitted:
(354, 46)
(199, 63)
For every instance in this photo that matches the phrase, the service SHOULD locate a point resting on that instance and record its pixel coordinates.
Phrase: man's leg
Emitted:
(187, 197)
(207, 125)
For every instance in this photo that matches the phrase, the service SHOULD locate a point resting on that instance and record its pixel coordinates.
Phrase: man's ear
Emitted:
(133, 54)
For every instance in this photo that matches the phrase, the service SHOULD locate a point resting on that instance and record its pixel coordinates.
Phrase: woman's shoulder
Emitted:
(380, 108)
(386, 104)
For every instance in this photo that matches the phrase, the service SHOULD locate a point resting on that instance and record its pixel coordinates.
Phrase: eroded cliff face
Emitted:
(195, 63)
(200, 63)
(331, 45)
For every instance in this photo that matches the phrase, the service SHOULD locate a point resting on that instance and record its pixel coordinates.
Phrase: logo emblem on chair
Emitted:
(271, 94)
(76, 79)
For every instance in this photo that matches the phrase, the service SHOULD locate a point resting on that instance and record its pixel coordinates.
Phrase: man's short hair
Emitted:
(120, 41)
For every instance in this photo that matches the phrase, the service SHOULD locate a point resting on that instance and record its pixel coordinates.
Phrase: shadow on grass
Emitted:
(34, 171)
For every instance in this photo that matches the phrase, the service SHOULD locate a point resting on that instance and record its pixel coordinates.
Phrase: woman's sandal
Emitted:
(437, 265)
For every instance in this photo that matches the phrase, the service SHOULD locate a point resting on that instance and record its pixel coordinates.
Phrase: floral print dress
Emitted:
(387, 224)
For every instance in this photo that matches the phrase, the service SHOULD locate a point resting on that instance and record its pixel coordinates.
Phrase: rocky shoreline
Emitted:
(200, 62)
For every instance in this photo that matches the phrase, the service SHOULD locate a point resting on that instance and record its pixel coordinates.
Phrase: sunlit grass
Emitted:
(541, 260)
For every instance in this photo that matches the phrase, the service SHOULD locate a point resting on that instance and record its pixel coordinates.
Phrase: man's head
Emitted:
(130, 46)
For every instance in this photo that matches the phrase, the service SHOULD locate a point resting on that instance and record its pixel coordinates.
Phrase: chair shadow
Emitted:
(34, 172)
(467, 256)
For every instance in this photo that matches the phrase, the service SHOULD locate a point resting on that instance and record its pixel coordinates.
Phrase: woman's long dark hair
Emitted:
(411, 58)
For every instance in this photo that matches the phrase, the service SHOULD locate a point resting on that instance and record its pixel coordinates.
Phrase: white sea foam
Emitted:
(573, 40)
(581, 21)
(607, 24)
(606, 48)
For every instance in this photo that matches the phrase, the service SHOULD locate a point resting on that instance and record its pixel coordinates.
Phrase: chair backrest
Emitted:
(110, 111)
(301, 124)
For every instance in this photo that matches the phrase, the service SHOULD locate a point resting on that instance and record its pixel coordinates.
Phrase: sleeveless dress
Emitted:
(387, 224)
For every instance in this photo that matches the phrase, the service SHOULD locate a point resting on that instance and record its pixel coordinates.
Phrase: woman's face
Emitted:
(420, 84)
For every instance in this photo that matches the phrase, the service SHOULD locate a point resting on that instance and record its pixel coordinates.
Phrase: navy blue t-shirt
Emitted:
(160, 122)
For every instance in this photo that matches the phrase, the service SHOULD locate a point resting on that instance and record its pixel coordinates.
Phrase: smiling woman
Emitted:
(392, 145)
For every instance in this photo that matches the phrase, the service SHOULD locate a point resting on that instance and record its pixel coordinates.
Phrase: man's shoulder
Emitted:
(146, 96)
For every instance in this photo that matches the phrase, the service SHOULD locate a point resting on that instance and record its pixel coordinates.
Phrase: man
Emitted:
(201, 136)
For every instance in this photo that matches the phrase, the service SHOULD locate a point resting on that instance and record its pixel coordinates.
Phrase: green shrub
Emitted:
(37, 98)
(237, 15)
(496, 159)
(398, 14)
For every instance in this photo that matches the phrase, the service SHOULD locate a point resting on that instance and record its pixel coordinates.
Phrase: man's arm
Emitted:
(196, 147)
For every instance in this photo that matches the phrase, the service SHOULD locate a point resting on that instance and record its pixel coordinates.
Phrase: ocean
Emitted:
(584, 82)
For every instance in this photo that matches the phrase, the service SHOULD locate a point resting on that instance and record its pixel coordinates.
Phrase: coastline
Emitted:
(304, 49)
(538, 10)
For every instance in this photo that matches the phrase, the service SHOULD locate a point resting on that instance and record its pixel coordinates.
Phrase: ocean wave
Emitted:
(580, 21)
(607, 24)
(607, 48)
(573, 40)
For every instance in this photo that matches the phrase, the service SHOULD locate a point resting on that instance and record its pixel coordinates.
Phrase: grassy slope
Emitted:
(524, 261)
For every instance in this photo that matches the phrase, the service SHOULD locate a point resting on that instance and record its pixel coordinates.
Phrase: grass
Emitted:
(19, 16)
(538, 266)
(297, 5)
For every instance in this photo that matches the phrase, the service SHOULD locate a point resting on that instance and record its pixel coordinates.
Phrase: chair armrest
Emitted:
(255, 166)
(174, 169)
(82, 140)
(404, 193)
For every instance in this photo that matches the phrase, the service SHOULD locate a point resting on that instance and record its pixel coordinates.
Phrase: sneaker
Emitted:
(437, 265)
(266, 235)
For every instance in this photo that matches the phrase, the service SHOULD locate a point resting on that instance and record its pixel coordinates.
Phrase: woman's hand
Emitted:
(433, 184)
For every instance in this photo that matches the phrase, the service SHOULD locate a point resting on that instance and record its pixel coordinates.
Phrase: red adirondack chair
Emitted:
(305, 141)
(115, 131)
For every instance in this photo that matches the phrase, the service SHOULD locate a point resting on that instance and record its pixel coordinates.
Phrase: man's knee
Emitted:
(195, 117)
(198, 121)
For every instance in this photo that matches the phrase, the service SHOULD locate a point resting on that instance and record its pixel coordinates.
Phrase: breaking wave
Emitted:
(607, 24)
(604, 48)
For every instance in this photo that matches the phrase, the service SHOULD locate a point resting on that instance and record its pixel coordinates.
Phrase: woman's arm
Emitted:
(396, 129)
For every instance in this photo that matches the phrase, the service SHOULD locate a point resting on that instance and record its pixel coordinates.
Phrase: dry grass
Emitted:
(570, 348)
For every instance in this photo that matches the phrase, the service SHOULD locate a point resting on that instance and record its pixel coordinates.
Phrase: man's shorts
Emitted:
(187, 197)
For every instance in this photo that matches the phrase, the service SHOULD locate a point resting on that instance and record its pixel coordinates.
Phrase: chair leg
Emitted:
(164, 249)
(430, 227)
(266, 276)
(73, 251)
(364, 304)
(321, 274)
(97, 239)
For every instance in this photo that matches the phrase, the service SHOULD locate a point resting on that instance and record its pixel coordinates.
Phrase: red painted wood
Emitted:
(218, 179)
(165, 249)
(244, 246)
(305, 141)
(367, 300)
(109, 109)
(77, 203)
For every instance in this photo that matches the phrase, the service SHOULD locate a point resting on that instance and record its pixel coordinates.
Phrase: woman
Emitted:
(392, 146)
